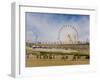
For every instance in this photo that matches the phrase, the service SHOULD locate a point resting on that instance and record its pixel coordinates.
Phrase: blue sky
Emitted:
(45, 26)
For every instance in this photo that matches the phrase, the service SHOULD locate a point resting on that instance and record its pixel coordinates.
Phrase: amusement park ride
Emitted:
(68, 34)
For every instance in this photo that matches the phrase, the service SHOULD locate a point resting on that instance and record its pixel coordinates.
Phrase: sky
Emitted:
(44, 27)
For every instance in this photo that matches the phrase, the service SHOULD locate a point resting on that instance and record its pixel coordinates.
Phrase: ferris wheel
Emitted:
(68, 34)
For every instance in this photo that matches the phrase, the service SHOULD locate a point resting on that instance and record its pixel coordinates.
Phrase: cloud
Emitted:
(46, 26)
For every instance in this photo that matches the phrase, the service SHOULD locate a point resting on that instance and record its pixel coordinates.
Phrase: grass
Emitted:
(80, 53)
(35, 63)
